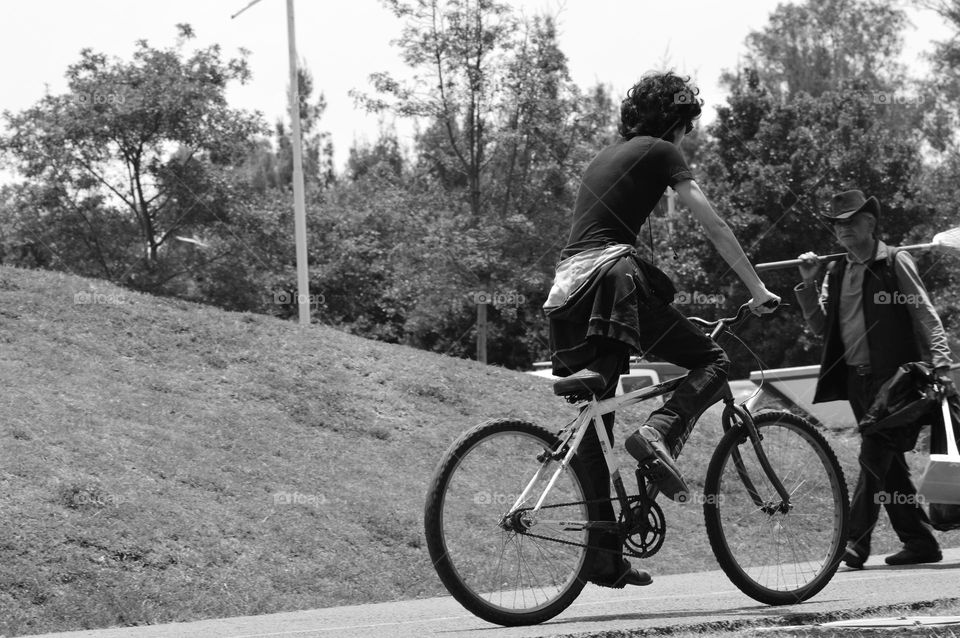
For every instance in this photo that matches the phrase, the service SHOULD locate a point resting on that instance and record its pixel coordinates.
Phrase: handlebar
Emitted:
(717, 326)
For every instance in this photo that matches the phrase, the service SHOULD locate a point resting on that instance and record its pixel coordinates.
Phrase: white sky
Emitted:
(343, 41)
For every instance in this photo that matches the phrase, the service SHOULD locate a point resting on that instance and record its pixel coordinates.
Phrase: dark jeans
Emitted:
(884, 479)
(666, 333)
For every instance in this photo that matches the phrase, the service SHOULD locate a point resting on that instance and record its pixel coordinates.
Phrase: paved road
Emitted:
(683, 599)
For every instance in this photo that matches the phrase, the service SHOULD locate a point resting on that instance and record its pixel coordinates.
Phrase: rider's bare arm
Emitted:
(719, 233)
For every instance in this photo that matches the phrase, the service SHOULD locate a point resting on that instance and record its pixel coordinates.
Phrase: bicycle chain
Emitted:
(625, 550)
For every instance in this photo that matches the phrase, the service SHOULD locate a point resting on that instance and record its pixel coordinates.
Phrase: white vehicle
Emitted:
(642, 373)
(646, 373)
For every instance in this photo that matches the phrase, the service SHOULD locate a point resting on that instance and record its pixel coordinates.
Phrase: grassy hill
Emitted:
(165, 461)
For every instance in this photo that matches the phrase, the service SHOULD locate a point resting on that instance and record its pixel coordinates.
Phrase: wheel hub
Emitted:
(519, 522)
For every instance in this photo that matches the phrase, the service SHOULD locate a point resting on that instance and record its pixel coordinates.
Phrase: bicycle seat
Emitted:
(585, 382)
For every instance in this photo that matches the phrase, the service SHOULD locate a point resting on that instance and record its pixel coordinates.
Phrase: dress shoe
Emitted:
(646, 444)
(907, 556)
(619, 578)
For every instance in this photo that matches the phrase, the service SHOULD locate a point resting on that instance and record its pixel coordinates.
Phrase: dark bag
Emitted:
(944, 516)
(908, 398)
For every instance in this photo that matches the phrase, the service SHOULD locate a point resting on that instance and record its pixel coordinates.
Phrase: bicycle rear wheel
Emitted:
(777, 557)
(502, 575)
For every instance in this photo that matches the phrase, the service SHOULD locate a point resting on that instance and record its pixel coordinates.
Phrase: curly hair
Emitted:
(657, 105)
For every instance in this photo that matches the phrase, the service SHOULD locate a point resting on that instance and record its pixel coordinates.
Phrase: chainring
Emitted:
(646, 536)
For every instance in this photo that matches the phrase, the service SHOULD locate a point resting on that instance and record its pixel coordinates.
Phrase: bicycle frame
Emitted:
(590, 414)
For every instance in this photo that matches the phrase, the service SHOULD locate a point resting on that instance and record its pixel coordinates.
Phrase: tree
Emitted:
(771, 166)
(809, 114)
(457, 46)
(269, 163)
(147, 141)
(941, 89)
(360, 254)
(51, 227)
(383, 158)
(316, 144)
(817, 46)
(506, 134)
(940, 182)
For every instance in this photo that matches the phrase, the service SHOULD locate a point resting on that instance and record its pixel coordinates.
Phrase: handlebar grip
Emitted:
(772, 304)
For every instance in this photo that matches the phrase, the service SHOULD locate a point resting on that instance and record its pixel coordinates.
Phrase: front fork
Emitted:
(739, 417)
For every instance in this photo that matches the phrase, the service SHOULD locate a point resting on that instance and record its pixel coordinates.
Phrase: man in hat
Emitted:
(874, 314)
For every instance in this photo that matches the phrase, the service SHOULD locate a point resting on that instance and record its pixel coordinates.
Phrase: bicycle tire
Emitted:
(464, 539)
(815, 528)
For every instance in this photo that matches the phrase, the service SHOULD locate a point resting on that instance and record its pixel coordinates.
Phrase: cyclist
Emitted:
(606, 302)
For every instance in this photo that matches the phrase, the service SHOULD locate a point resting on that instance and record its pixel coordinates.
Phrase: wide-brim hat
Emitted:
(848, 203)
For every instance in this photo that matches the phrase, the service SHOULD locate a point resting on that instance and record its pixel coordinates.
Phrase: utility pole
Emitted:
(482, 332)
(299, 204)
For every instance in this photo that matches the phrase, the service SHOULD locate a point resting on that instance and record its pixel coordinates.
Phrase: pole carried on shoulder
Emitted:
(949, 239)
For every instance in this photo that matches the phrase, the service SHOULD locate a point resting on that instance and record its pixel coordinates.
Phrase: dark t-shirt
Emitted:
(619, 190)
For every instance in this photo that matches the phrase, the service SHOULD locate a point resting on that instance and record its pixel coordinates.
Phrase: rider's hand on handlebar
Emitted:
(764, 303)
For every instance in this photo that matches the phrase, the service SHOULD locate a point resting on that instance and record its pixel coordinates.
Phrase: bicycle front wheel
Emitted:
(775, 555)
(500, 567)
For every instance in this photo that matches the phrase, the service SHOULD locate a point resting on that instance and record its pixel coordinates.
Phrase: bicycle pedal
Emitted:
(652, 469)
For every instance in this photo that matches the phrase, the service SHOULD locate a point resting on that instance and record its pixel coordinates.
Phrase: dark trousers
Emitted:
(667, 334)
(884, 479)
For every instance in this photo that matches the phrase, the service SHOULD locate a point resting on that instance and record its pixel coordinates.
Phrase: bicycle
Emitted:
(514, 550)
